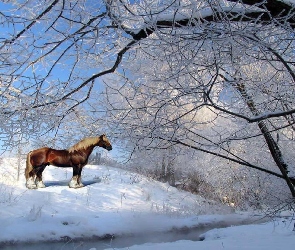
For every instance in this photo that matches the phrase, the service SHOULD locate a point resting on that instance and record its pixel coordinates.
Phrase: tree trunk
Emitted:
(271, 143)
(171, 173)
(163, 170)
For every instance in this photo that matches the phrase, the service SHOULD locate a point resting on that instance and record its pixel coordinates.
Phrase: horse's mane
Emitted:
(85, 143)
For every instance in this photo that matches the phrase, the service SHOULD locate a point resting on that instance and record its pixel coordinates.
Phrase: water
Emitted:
(110, 241)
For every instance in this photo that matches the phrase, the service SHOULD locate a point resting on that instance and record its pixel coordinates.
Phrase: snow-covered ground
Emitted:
(120, 203)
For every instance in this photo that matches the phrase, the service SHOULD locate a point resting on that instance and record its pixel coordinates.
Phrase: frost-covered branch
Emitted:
(282, 11)
(231, 159)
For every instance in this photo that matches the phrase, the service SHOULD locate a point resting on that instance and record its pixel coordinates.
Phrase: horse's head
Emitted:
(104, 142)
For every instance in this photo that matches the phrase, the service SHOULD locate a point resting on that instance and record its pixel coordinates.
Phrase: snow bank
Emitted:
(120, 203)
(115, 202)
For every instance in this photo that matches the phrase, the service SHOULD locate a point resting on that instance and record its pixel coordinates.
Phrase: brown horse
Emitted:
(75, 157)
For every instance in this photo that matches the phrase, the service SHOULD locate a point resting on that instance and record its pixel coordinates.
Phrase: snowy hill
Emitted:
(113, 202)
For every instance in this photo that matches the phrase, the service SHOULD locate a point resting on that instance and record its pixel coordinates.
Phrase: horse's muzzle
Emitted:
(109, 148)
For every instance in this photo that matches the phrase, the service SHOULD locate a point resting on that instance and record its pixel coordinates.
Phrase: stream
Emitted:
(121, 241)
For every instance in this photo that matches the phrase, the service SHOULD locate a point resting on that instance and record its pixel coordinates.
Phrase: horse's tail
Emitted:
(29, 166)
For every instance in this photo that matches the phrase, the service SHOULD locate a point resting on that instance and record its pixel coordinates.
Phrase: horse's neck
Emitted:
(85, 151)
(89, 150)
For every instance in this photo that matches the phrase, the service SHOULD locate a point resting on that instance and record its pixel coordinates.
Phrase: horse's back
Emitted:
(40, 150)
(50, 156)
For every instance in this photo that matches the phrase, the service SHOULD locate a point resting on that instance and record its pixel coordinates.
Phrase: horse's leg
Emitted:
(79, 177)
(35, 177)
(39, 181)
(74, 181)
(30, 183)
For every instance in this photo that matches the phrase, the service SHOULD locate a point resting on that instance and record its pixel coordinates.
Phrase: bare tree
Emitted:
(196, 60)
(173, 60)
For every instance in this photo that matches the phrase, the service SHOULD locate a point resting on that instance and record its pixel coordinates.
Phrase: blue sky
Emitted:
(58, 75)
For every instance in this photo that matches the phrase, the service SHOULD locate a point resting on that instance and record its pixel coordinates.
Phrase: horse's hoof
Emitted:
(76, 186)
(31, 186)
(74, 183)
(40, 184)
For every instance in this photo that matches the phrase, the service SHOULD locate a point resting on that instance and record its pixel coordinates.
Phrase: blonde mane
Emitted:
(85, 143)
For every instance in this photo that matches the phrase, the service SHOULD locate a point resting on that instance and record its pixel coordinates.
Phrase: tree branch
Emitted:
(34, 21)
(91, 79)
(229, 158)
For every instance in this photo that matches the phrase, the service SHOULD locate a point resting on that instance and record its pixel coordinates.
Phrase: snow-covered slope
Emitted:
(113, 202)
